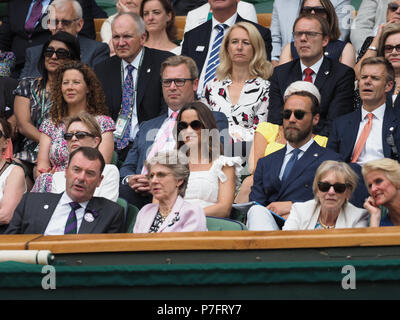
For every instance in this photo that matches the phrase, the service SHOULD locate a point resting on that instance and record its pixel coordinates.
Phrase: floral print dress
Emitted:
(251, 108)
(59, 154)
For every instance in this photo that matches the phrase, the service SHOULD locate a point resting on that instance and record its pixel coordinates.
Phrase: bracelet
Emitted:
(373, 48)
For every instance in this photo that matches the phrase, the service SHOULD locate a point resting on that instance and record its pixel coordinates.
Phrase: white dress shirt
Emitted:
(288, 154)
(230, 22)
(136, 64)
(59, 218)
(373, 148)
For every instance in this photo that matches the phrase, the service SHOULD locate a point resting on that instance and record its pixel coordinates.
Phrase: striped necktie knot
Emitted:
(71, 227)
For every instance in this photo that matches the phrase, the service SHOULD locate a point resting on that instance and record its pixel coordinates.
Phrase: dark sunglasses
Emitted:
(179, 82)
(389, 49)
(338, 187)
(79, 135)
(60, 53)
(393, 6)
(195, 125)
(299, 114)
(64, 22)
(318, 10)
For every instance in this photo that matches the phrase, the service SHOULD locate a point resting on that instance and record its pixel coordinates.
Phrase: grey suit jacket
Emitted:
(92, 53)
(284, 14)
(35, 210)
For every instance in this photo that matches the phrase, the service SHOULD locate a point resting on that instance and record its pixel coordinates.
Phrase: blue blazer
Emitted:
(200, 37)
(335, 82)
(134, 161)
(343, 136)
(267, 186)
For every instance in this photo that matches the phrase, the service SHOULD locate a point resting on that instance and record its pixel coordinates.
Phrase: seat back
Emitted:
(224, 224)
(131, 218)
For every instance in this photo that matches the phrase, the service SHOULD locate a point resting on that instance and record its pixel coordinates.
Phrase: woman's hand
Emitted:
(121, 7)
(374, 212)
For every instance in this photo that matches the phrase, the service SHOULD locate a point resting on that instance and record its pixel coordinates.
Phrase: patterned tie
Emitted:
(127, 104)
(213, 60)
(362, 139)
(36, 13)
(162, 140)
(71, 227)
(308, 72)
(291, 163)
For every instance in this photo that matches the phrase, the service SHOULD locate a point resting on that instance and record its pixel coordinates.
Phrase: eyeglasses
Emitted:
(319, 10)
(389, 49)
(393, 6)
(60, 53)
(64, 22)
(79, 135)
(195, 125)
(308, 34)
(338, 187)
(158, 175)
(179, 82)
(299, 114)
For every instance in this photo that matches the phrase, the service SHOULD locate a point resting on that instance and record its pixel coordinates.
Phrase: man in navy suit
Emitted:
(52, 214)
(197, 43)
(276, 186)
(175, 69)
(334, 80)
(67, 17)
(383, 141)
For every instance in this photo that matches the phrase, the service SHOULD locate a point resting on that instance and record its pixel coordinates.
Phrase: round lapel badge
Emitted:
(89, 217)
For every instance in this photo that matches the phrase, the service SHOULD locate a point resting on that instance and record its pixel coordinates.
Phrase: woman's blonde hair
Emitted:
(341, 169)
(388, 30)
(390, 167)
(88, 120)
(259, 65)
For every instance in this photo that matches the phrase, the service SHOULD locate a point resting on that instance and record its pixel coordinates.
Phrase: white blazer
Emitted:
(198, 16)
(304, 217)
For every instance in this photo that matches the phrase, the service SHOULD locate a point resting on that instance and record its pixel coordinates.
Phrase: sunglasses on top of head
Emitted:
(195, 125)
(60, 53)
(338, 187)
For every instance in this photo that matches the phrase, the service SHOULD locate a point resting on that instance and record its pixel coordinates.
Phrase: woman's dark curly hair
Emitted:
(96, 101)
(170, 28)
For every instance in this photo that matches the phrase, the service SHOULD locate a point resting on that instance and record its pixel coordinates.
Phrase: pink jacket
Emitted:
(184, 217)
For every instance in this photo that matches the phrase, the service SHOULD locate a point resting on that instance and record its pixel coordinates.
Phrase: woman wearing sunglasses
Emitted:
(333, 186)
(12, 179)
(82, 130)
(336, 49)
(382, 178)
(33, 96)
(241, 87)
(76, 89)
(213, 177)
(385, 44)
(269, 137)
(168, 175)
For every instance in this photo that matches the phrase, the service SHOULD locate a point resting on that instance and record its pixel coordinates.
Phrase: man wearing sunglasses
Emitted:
(371, 132)
(67, 15)
(334, 80)
(287, 175)
(179, 79)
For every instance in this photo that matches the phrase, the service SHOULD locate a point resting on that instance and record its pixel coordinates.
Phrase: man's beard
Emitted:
(297, 135)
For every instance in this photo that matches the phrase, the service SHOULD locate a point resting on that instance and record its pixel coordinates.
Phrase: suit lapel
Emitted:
(350, 133)
(46, 210)
(388, 127)
(174, 216)
(144, 76)
(91, 217)
(323, 74)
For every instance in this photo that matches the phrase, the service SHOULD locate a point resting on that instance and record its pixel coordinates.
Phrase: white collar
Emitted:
(303, 148)
(65, 199)
(230, 22)
(315, 67)
(135, 63)
(378, 112)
